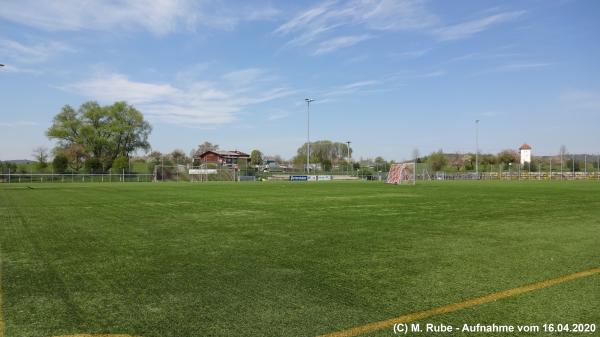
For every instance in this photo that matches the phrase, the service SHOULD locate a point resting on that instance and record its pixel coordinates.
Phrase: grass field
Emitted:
(291, 259)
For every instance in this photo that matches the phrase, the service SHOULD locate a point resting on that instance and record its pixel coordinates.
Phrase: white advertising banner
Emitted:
(202, 171)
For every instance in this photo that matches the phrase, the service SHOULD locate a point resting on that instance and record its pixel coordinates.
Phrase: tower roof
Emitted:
(525, 146)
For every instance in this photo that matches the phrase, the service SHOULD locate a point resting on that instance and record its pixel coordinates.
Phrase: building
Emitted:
(228, 158)
(525, 151)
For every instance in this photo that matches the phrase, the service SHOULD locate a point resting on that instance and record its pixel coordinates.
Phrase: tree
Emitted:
(322, 150)
(101, 132)
(326, 165)
(384, 166)
(93, 165)
(178, 157)
(573, 162)
(563, 152)
(206, 146)
(458, 161)
(508, 156)
(256, 158)
(41, 156)
(119, 164)
(60, 163)
(437, 160)
(75, 154)
(6, 167)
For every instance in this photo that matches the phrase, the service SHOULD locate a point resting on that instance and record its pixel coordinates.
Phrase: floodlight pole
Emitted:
(477, 147)
(308, 100)
(349, 154)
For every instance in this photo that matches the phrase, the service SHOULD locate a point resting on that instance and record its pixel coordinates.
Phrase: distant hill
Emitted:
(19, 161)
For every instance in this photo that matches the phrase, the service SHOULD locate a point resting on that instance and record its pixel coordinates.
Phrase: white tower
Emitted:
(525, 153)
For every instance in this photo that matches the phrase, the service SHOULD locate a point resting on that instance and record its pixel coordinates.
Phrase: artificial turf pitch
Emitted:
(291, 259)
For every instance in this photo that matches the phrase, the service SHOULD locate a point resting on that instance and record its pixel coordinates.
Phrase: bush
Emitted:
(119, 164)
(60, 163)
(93, 165)
(326, 165)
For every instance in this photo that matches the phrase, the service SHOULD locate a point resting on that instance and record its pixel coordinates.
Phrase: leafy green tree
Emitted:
(6, 167)
(60, 163)
(570, 162)
(437, 160)
(326, 165)
(256, 157)
(323, 150)
(382, 165)
(102, 132)
(508, 156)
(93, 165)
(119, 164)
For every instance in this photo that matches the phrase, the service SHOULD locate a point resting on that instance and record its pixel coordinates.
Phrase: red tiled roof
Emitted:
(525, 147)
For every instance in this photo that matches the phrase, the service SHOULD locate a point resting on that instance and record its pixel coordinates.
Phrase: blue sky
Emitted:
(388, 75)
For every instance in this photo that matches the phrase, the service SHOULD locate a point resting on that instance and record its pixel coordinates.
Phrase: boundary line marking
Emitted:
(459, 305)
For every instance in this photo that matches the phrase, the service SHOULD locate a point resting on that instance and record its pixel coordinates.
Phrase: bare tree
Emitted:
(206, 146)
(178, 156)
(41, 156)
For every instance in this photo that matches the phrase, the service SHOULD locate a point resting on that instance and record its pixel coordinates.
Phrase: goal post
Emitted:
(404, 173)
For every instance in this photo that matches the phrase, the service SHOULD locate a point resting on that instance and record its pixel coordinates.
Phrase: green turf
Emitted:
(290, 259)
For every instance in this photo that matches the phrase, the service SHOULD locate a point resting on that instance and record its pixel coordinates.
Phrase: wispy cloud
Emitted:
(157, 16)
(336, 43)
(347, 89)
(410, 54)
(197, 103)
(31, 52)
(17, 124)
(524, 65)
(322, 22)
(515, 66)
(467, 29)
(278, 115)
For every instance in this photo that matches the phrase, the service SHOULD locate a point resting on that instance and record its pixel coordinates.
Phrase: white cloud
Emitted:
(157, 16)
(31, 53)
(525, 65)
(348, 89)
(278, 115)
(320, 22)
(411, 53)
(339, 42)
(196, 103)
(467, 29)
(17, 124)
(516, 66)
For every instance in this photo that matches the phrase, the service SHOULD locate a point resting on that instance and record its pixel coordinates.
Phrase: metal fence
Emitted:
(74, 177)
(233, 175)
(512, 176)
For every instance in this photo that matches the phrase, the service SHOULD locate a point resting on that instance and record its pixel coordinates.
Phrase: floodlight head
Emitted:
(308, 100)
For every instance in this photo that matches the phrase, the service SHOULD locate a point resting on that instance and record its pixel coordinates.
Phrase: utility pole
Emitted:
(308, 101)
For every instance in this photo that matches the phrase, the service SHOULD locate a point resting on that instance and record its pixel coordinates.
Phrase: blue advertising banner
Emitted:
(298, 178)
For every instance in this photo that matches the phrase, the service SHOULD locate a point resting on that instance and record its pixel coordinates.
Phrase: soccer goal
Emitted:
(402, 174)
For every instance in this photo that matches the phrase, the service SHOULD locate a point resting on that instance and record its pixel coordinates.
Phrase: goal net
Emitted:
(401, 174)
